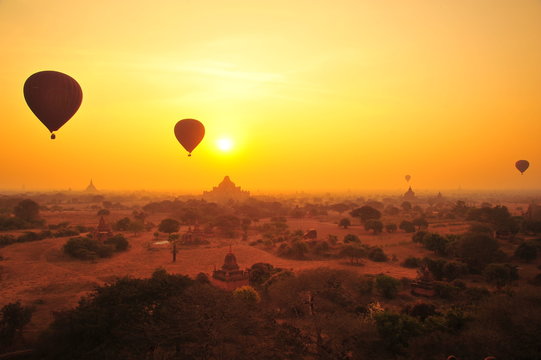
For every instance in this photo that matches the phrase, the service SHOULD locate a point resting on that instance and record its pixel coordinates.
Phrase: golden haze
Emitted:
(316, 95)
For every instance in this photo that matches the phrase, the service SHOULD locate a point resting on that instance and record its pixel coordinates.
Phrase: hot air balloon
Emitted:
(53, 97)
(522, 165)
(189, 133)
(408, 177)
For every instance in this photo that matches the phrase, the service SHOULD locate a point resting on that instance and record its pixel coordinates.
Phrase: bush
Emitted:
(13, 318)
(391, 228)
(526, 252)
(377, 254)
(500, 274)
(407, 226)
(90, 249)
(119, 242)
(387, 285)
(396, 330)
(351, 238)
(412, 262)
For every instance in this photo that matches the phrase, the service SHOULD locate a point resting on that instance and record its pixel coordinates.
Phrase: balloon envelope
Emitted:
(53, 97)
(408, 177)
(189, 133)
(522, 165)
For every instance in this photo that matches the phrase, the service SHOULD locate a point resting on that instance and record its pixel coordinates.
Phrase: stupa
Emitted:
(230, 276)
(91, 188)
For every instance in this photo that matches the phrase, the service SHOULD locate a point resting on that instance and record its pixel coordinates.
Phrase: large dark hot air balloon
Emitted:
(522, 165)
(53, 97)
(408, 177)
(189, 133)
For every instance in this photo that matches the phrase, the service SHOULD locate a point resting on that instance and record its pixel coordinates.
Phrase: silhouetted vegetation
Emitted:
(85, 248)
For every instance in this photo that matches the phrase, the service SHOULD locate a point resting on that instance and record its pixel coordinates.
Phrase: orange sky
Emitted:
(316, 95)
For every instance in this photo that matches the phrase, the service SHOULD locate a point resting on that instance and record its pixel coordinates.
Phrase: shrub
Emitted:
(387, 285)
(89, 249)
(377, 254)
(119, 242)
(526, 251)
(351, 238)
(412, 262)
(407, 226)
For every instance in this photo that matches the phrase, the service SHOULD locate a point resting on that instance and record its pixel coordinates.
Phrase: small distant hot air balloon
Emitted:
(189, 133)
(522, 165)
(53, 97)
(408, 178)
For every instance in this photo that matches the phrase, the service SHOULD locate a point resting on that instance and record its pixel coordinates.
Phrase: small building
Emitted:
(423, 285)
(103, 231)
(230, 276)
(194, 236)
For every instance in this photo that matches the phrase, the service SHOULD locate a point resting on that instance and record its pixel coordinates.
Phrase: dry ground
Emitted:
(40, 274)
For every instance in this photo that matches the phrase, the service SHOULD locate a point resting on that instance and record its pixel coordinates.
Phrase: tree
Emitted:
(420, 223)
(477, 250)
(344, 223)
(377, 254)
(526, 252)
(123, 224)
(391, 228)
(169, 226)
(139, 216)
(14, 317)
(365, 213)
(103, 212)
(247, 294)
(354, 253)
(407, 226)
(227, 224)
(387, 285)
(173, 240)
(136, 227)
(375, 225)
(260, 273)
(500, 274)
(351, 238)
(27, 210)
(435, 242)
(397, 330)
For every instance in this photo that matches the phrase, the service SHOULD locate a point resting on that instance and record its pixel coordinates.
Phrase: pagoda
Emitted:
(225, 192)
(102, 231)
(409, 195)
(91, 188)
(423, 285)
(230, 276)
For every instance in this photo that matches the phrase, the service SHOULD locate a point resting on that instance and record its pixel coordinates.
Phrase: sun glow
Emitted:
(225, 144)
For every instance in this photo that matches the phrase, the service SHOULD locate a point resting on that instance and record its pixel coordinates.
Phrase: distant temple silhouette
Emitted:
(409, 195)
(226, 191)
(91, 188)
(230, 276)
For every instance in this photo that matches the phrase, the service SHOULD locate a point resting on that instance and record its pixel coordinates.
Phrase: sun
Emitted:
(224, 144)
